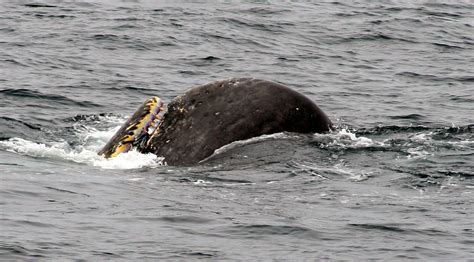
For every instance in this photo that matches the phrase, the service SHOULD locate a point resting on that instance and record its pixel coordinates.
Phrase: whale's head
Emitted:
(134, 134)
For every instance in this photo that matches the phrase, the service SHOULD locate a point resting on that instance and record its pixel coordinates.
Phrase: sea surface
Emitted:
(394, 181)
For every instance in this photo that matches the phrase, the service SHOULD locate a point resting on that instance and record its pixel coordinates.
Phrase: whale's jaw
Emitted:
(136, 131)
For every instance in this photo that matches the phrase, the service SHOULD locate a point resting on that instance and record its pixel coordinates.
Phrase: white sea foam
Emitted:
(338, 169)
(427, 139)
(91, 140)
(356, 141)
(346, 139)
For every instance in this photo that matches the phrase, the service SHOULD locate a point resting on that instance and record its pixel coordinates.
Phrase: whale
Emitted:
(207, 117)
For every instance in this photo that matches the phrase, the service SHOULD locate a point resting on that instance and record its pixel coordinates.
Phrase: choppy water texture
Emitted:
(395, 181)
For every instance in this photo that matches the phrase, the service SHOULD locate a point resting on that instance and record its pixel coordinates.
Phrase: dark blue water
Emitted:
(393, 182)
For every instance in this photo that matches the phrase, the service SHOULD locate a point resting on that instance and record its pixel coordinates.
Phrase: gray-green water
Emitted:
(394, 182)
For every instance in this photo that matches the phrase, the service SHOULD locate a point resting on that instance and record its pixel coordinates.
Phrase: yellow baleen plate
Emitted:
(135, 132)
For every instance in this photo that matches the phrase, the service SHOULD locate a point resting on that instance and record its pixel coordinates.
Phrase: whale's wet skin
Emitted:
(211, 116)
(245, 180)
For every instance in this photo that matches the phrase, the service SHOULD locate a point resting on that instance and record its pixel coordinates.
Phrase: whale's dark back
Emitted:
(210, 116)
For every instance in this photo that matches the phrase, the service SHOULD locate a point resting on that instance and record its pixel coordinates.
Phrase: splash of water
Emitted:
(91, 140)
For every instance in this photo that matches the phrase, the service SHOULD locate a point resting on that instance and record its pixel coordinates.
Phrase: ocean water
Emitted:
(395, 181)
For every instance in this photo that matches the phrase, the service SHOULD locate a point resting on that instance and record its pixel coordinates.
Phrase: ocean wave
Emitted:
(90, 140)
(34, 95)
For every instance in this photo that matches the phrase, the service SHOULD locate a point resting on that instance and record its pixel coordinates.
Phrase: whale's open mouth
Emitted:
(136, 131)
